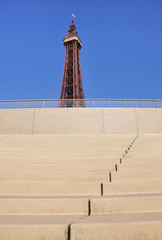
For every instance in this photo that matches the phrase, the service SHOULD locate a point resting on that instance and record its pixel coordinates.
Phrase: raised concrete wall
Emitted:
(80, 120)
(16, 121)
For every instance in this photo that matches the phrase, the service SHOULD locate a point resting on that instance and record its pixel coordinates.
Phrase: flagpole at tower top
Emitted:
(73, 16)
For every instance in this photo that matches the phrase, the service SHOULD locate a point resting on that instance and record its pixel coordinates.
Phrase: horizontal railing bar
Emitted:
(88, 99)
(94, 103)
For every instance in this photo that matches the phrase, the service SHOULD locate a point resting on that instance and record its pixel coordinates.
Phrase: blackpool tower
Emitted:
(72, 94)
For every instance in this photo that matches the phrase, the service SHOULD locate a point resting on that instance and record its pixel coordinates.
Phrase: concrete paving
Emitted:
(134, 186)
(143, 226)
(58, 177)
(135, 175)
(124, 204)
(38, 188)
(81, 120)
(132, 167)
(42, 206)
(81, 187)
(35, 227)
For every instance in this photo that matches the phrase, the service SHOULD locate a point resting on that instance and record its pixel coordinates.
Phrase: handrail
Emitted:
(108, 103)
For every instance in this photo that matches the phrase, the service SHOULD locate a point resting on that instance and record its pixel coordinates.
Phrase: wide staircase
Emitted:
(81, 187)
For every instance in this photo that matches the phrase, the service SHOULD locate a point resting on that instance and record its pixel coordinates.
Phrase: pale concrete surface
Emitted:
(39, 220)
(85, 120)
(139, 226)
(62, 148)
(138, 203)
(80, 121)
(131, 167)
(50, 121)
(56, 167)
(43, 175)
(149, 120)
(48, 188)
(16, 121)
(42, 206)
(135, 175)
(40, 157)
(136, 186)
(121, 120)
(80, 205)
(35, 227)
(141, 160)
(58, 177)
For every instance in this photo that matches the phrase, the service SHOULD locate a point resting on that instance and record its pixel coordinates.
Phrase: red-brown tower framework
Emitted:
(72, 86)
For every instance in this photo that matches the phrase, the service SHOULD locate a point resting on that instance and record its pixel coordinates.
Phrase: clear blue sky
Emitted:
(121, 55)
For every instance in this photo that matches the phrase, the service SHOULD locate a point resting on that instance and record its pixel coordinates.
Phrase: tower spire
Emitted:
(72, 86)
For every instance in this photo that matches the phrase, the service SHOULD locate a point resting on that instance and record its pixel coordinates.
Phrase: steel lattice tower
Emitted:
(71, 94)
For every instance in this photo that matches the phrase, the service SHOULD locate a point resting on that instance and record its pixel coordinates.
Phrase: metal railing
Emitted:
(108, 103)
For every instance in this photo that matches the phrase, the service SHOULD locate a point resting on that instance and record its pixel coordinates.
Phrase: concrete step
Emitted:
(131, 187)
(147, 145)
(139, 167)
(135, 175)
(50, 168)
(133, 226)
(126, 203)
(148, 150)
(49, 154)
(144, 154)
(142, 160)
(30, 188)
(43, 206)
(145, 151)
(36, 227)
(53, 161)
(56, 176)
(79, 205)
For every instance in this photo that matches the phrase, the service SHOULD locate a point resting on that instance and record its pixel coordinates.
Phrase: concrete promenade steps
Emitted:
(81, 176)
(81, 187)
(55, 168)
(80, 205)
(136, 226)
(143, 160)
(65, 149)
(49, 188)
(126, 203)
(45, 188)
(132, 186)
(44, 206)
(60, 157)
(132, 167)
(59, 162)
(130, 226)
(135, 175)
(36, 227)
(59, 176)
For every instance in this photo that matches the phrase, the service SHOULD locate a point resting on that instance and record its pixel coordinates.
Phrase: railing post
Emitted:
(43, 103)
(27, 104)
(156, 104)
(125, 103)
(11, 105)
(109, 103)
(141, 104)
(93, 103)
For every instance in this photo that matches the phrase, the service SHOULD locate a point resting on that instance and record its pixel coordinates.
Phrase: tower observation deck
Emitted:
(71, 94)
